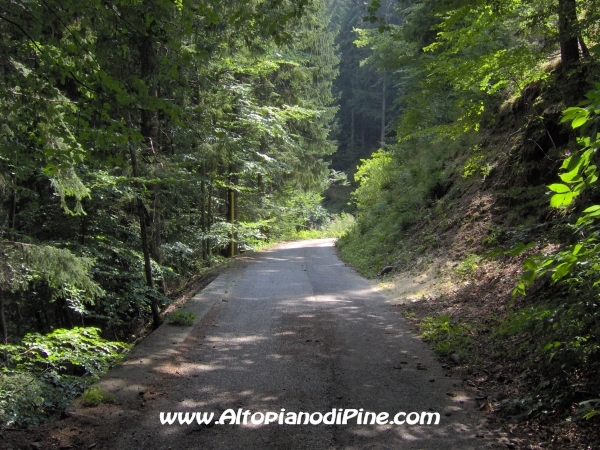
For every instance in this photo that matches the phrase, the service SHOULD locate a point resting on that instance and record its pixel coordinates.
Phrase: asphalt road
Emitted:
(296, 329)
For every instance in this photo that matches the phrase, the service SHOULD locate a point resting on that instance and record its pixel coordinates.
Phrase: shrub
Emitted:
(335, 228)
(44, 373)
(95, 395)
(467, 267)
(21, 399)
(181, 318)
(446, 336)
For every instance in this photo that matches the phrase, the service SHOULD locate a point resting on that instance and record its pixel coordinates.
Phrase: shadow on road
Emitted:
(296, 330)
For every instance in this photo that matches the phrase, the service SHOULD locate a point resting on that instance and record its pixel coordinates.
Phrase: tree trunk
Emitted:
(584, 50)
(383, 97)
(352, 132)
(209, 219)
(3, 325)
(20, 320)
(260, 183)
(48, 324)
(58, 315)
(147, 129)
(157, 230)
(203, 210)
(64, 309)
(567, 31)
(145, 247)
(363, 136)
(39, 321)
(12, 211)
(231, 214)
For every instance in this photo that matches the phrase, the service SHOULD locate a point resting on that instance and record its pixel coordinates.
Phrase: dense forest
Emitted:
(144, 141)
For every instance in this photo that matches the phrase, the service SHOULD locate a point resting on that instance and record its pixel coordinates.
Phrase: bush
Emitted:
(95, 395)
(467, 267)
(44, 374)
(339, 226)
(335, 228)
(21, 399)
(181, 318)
(446, 336)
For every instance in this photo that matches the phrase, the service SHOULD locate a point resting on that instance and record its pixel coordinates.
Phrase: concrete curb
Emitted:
(131, 376)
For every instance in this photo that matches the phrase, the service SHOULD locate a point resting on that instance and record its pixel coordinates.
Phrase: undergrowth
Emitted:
(467, 267)
(446, 335)
(545, 348)
(44, 373)
(335, 227)
(181, 318)
(96, 395)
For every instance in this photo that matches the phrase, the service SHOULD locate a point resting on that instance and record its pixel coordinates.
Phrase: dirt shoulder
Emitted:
(460, 311)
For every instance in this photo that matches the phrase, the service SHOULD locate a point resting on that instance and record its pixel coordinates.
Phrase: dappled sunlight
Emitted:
(195, 368)
(460, 398)
(285, 333)
(147, 360)
(230, 340)
(307, 343)
(326, 299)
(275, 356)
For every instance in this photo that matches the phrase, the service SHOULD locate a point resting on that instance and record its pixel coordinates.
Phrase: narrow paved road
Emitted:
(299, 330)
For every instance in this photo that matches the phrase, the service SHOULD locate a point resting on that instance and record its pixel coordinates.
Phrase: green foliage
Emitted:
(119, 269)
(339, 225)
(360, 87)
(467, 267)
(590, 408)
(494, 235)
(477, 164)
(476, 47)
(301, 211)
(125, 129)
(65, 274)
(21, 398)
(564, 335)
(181, 318)
(373, 175)
(579, 262)
(446, 335)
(137, 142)
(78, 351)
(95, 395)
(43, 374)
(366, 257)
(336, 227)
(578, 170)
(455, 63)
(394, 191)
(566, 328)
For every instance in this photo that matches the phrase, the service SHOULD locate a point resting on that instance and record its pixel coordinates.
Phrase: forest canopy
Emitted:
(135, 133)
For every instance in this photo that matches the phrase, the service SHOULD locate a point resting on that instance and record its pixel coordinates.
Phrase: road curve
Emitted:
(299, 330)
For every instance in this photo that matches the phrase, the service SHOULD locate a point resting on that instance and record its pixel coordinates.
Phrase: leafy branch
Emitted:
(580, 260)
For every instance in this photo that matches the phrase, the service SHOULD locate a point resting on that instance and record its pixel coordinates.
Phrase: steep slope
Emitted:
(531, 360)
